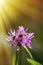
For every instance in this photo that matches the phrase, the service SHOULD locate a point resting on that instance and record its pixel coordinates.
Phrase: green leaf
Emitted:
(13, 60)
(28, 52)
(33, 62)
(17, 62)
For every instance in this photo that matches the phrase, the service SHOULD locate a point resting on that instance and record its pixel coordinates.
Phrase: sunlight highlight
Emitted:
(2, 2)
(4, 21)
(15, 10)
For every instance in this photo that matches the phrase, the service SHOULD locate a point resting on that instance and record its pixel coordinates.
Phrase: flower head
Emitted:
(20, 37)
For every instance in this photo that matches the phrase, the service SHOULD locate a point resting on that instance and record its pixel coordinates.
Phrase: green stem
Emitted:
(19, 56)
(28, 52)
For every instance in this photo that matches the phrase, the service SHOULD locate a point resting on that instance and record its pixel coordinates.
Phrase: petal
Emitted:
(21, 30)
(30, 35)
(13, 44)
(12, 32)
(9, 38)
(29, 44)
(23, 40)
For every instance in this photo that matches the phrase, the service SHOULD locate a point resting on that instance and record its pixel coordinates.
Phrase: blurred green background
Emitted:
(27, 13)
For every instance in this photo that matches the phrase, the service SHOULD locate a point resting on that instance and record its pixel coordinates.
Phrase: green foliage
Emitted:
(14, 59)
(33, 62)
(28, 52)
(18, 58)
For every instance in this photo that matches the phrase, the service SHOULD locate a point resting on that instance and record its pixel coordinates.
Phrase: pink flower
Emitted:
(20, 38)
